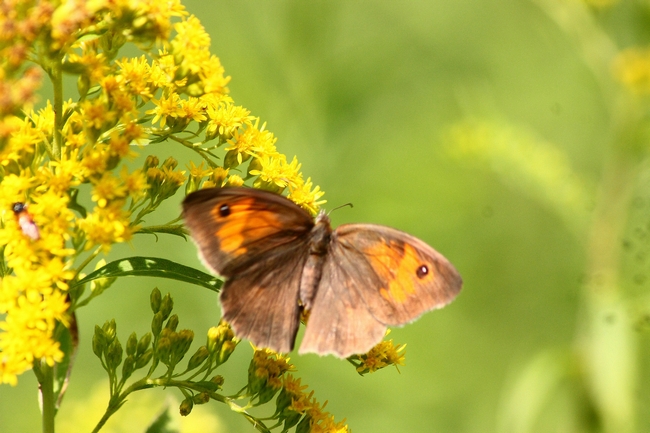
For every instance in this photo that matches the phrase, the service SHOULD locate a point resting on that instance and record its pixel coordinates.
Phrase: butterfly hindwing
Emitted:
(339, 322)
(261, 304)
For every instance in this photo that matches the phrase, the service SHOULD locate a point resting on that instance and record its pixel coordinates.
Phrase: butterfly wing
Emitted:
(405, 277)
(261, 304)
(235, 227)
(375, 276)
(258, 241)
(340, 324)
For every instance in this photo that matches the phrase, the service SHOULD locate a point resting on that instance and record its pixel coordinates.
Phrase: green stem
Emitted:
(47, 397)
(118, 400)
(56, 75)
(609, 344)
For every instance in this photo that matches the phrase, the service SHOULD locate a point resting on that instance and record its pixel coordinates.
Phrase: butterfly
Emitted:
(278, 261)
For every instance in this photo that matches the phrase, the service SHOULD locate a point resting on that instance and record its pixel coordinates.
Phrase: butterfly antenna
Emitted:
(339, 207)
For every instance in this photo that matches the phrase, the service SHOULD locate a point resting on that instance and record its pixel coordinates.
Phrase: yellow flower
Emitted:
(94, 63)
(254, 142)
(234, 180)
(224, 117)
(68, 18)
(107, 189)
(190, 35)
(106, 226)
(120, 145)
(219, 175)
(153, 20)
(632, 68)
(270, 366)
(304, 196)
(26, 333)
(192, 109)
(96, 114)
(134, 76)
(135, 183)
(60, 176)
(14, 189)
(94, 160)
(199, 172)
(382, 355)
(276, 172)
(50, 173)
(212, 77)
(163, 70)
(166, 107)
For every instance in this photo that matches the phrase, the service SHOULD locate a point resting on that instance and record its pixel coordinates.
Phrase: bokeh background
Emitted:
(485, 128)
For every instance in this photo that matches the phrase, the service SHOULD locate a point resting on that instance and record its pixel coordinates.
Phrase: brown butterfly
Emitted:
(277, 260)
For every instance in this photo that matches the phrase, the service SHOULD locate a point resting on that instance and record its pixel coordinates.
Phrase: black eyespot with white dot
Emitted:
(422, 271)
(224, 210)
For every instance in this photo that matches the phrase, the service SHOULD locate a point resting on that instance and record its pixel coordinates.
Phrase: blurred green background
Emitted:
(367, 95)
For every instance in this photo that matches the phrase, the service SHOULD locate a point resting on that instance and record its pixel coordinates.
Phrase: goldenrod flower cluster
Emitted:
(66, 194)
(384, 354)
(294, 407)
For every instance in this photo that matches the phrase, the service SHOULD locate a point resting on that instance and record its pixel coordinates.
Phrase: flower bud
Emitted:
(144, 359)
(166, 306)
(186, 406)
(163, 350)
(218, 380)
(156, 323)
(143, 344)
(201, 398)
(151, 161)
(131, 344)
(109, 330)
(154, 300)
(114, 354)
(234, 180)
(128, 367)
(219, 175)
(99, 342)
(231, 160)
(181, 344)
(170, 163)
(197, 359)
(172, 323)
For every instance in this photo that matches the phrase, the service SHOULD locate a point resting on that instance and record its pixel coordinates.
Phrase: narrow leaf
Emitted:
(153, 267)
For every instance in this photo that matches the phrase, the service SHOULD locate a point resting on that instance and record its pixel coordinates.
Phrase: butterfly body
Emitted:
(277, 260)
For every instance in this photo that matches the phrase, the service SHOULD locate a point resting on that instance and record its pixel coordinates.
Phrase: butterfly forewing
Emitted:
(236, 227)
(398, 276)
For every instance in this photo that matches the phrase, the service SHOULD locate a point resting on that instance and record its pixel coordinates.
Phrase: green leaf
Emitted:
(153, 267)
(162, 423)
(68, 338)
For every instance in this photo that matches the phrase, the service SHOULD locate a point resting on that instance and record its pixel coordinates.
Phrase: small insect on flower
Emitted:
(25, 221)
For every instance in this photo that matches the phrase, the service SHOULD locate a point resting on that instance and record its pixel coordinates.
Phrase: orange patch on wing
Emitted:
(398, 269)
(242, 225)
